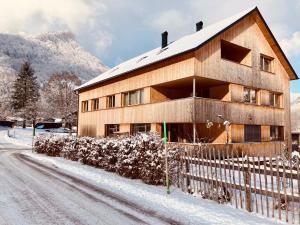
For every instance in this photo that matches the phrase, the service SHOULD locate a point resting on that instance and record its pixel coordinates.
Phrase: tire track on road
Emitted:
(25, 159)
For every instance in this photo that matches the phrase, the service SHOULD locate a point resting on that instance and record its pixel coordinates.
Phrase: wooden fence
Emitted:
(268, 186)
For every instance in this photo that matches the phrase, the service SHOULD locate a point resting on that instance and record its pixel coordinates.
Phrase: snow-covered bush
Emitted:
(139, 157)
(50, 145)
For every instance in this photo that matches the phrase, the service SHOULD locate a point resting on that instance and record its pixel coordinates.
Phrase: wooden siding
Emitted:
(179, 111)
(248, 34)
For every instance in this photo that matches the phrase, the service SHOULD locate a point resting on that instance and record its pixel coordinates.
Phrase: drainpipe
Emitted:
(194, 110)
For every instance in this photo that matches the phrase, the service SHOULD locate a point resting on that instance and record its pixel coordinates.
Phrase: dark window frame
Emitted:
(140, 128)
(252, 133)
(110, 129)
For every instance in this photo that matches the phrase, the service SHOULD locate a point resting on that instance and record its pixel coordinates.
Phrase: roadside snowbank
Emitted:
(178, 205)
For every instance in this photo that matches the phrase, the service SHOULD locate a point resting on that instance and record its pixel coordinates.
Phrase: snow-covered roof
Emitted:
(184, 44)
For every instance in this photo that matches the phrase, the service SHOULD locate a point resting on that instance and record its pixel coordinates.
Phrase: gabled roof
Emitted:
(185, 44)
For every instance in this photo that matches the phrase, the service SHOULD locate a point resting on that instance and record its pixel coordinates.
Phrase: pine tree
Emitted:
(25, 93)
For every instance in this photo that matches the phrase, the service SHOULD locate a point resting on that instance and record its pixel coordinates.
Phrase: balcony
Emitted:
(180, 111)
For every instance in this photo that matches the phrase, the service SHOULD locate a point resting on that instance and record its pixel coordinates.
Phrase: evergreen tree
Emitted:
(25, 93)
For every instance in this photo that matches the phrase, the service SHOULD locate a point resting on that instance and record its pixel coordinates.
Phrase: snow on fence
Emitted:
(268, 186)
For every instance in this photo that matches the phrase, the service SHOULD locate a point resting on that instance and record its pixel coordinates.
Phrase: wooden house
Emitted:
(230, 73)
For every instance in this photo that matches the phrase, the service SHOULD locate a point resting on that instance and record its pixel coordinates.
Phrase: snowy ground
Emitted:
(36, 189)
(20, 136)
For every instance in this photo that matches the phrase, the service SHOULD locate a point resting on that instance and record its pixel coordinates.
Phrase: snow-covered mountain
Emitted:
(295, 111)
(48, 53)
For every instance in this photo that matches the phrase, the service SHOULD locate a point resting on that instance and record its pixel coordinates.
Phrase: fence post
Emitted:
(247, 182)
(187, 171)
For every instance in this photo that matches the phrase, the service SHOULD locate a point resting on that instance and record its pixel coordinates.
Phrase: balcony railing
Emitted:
(181, 111)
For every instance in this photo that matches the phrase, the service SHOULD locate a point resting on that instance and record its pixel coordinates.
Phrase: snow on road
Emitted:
(36, 189)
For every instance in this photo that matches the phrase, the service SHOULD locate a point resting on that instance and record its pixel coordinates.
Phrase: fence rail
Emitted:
(268, 186)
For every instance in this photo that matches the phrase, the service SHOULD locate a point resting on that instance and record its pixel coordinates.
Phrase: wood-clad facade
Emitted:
(230, 83)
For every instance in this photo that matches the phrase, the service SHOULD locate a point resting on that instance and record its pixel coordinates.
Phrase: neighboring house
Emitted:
(233, 70)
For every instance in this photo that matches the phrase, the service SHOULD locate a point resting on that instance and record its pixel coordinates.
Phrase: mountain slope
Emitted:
(295, 112)
(48, 53)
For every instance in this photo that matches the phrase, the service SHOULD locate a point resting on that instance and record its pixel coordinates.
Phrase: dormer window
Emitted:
(235, 53)
(266, 63)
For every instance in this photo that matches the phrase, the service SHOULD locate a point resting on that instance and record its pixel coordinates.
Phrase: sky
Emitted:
(117, 30)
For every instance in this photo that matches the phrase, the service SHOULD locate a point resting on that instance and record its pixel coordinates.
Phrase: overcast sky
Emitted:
(116, 30)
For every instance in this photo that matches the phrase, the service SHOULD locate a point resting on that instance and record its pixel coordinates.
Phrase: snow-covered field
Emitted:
(20, 136)
(177, 206)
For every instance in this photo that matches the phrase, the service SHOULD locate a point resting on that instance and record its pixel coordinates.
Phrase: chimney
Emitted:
(164, 39)
(199, 26)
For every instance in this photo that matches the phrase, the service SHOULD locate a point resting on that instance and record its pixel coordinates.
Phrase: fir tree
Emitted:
(25, 93)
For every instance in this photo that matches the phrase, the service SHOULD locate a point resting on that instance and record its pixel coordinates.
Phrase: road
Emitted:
(33, 193)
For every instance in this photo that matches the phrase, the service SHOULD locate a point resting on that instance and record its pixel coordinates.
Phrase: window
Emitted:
(276, 133)
(111, 101)
(140, 127)
(84, 106)
(235, 53)
(110, 129)
(252, 133)
(95, 104)
(250, 95)
(266, 63)
(274, 99)
(133, 97)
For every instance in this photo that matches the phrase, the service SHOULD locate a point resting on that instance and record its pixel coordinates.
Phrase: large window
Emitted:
(252, 133)
(84, 106)
(276, 133)
(140, 127)
(249, 95)
(266, 63)
(133, 97)
(111, 129)
(274, 99)
(95, 104)
(235, 53)
(111, 101)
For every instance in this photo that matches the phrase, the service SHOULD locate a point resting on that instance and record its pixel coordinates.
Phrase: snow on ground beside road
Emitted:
(18, 136)
(23, 137)
(178, 205)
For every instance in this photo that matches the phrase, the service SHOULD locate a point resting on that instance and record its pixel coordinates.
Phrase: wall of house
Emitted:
(248, 34)
(205, 62)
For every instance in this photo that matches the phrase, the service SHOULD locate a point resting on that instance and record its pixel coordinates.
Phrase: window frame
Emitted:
(249, 90)
(109, 127)
(85, 106)
(252, 135)
(276, 102)
(135, 128)
(262, 63)
(111, 101)
(127, 100)
(276, 133)
(93, 101)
